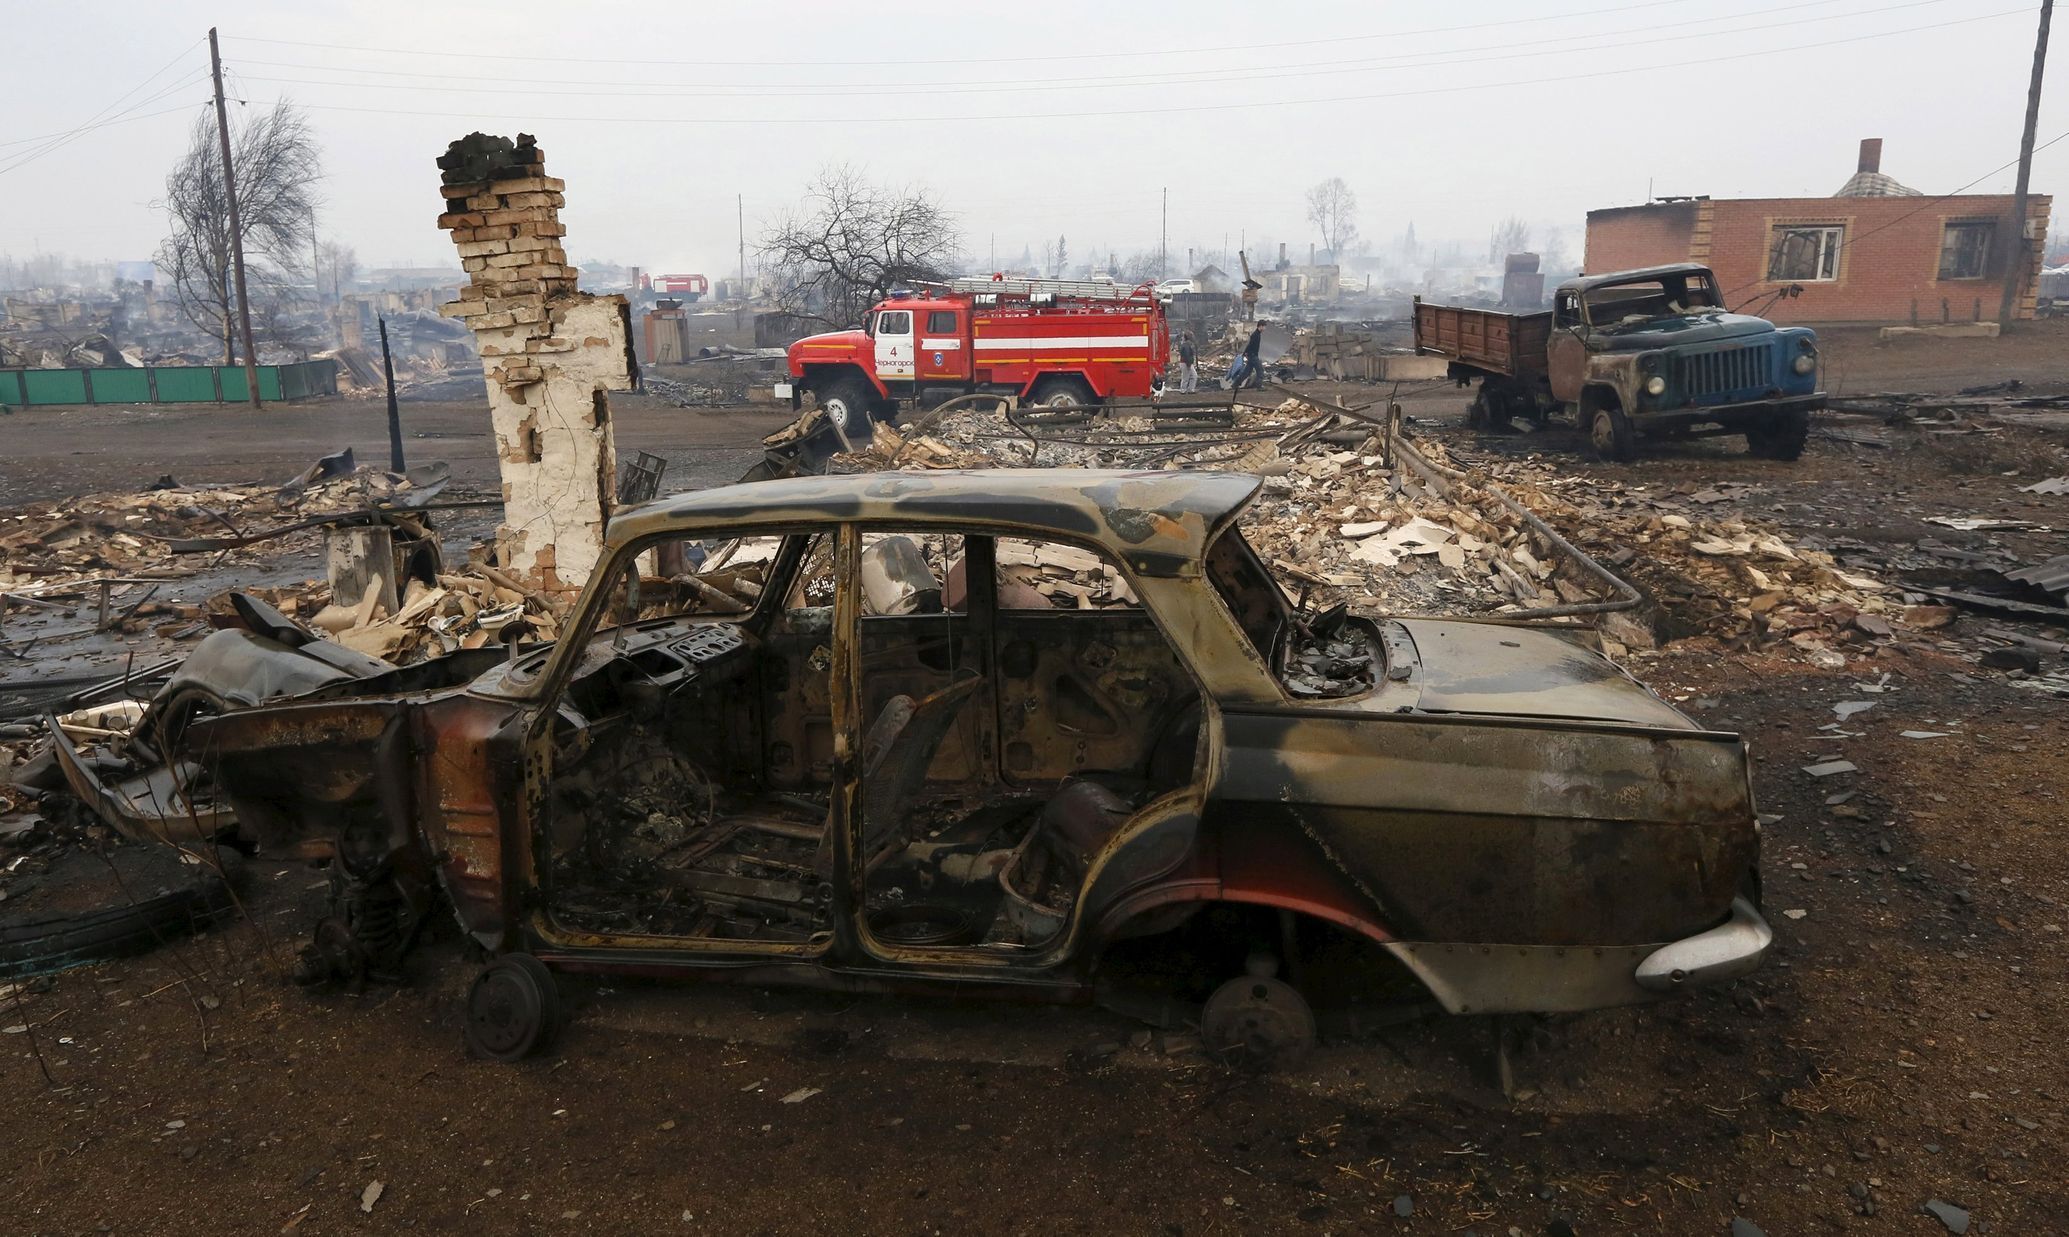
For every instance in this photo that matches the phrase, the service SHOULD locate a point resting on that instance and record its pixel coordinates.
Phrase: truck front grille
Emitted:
(1734, 373)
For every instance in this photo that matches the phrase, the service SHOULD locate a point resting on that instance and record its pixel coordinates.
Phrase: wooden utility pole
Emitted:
(251, 362)
(2021, 250)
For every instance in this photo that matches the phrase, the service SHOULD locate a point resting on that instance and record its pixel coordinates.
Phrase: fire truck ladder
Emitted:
(1083, 289)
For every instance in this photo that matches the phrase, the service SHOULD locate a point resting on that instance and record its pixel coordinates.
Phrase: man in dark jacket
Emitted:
(1253, 373)
(1188, 365)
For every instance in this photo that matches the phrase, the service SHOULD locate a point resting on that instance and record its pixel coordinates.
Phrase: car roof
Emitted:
(1158, 523)
(1582, 283)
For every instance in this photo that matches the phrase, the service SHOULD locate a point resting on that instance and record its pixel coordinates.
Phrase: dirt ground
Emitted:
(1902, 1045)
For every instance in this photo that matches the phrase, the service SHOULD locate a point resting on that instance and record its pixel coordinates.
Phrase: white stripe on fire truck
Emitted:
(1063, 341)
(941, 345)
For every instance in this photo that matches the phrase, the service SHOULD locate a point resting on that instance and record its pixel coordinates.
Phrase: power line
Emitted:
(64, 139)
(1073, 56)
(119, 120)
(665, 90)
(123, 116)
(1109, 112)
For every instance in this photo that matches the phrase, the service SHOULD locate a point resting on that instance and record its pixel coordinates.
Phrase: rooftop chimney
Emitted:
(1871, 154)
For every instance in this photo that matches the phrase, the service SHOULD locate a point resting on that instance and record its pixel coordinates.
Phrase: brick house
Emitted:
(1876, 252)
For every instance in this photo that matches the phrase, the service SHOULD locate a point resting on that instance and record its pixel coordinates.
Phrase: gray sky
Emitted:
(1028, 120)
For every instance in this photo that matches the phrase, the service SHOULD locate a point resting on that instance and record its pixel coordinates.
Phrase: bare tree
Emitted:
(277, 165)
(853, 242)
(1056, 258)
(337, 264)
(1511, 235)
(1333, 209)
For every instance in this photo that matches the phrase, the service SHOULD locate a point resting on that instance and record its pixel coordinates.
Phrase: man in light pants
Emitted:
(1188, 365)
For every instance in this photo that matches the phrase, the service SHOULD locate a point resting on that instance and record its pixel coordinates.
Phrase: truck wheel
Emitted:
(1610, 433)
(1779, 435)
(1493, 408)
(846, 402)
(1056, 394)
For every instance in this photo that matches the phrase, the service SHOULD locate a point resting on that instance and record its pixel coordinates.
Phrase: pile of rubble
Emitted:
(1397, 525)
(1333, 516)
(118, 559)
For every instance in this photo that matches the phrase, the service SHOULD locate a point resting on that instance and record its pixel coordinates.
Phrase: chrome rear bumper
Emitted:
(1727, 951)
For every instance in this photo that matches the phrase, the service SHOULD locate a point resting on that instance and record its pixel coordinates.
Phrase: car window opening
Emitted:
(1007, 731)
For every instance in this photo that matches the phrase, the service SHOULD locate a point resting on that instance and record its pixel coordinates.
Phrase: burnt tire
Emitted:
(1778, 435)
(1611, 435)
(151, 912)
(514, 1009)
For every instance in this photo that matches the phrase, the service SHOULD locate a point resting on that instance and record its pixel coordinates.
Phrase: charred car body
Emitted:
(860, 749)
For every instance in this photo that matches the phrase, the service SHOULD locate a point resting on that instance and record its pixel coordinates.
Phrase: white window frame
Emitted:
(1831, 244)
(1989, 228)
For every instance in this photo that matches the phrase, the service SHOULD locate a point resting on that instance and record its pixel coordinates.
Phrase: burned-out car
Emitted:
(974, 730)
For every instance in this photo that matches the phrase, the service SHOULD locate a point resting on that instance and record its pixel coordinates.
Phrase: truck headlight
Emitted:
(1655, 386)
(1806, 363)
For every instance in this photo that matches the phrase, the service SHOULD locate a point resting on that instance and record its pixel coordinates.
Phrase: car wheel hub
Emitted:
(1258, 1021)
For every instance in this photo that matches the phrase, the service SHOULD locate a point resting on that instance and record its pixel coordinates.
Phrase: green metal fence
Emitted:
(166, 384)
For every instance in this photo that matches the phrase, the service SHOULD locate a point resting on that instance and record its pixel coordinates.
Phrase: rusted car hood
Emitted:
(1679, 332)
(1491, 668)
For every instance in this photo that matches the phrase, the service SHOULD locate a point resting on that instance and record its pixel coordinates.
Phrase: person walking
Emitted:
(1253, 373)
(1188, 365)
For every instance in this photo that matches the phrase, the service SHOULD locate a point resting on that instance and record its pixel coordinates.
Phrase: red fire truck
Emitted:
(1049, 341)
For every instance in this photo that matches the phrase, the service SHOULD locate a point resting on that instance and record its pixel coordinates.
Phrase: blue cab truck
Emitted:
(1633, 355)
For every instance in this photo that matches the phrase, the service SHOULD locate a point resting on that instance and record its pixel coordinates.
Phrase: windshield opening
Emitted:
(1642, 300)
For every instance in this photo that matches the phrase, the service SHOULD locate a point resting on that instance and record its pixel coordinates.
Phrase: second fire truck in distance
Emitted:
(1049, 342)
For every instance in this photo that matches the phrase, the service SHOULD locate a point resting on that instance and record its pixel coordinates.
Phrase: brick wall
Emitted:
(1631, 236)
(1889, 256)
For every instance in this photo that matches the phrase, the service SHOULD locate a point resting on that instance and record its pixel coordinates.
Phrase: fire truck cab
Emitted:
(1049, 342)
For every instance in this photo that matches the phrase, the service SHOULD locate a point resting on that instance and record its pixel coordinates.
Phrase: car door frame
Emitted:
(553, 944)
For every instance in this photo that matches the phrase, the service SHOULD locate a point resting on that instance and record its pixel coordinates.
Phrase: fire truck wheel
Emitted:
(1062, 393)
(847, 403)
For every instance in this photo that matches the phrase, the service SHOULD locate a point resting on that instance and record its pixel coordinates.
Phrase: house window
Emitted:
(1805, 254)
(1965, 249)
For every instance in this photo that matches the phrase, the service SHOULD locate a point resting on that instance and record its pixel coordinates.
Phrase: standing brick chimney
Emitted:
(549, 352)
(1871, 154)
